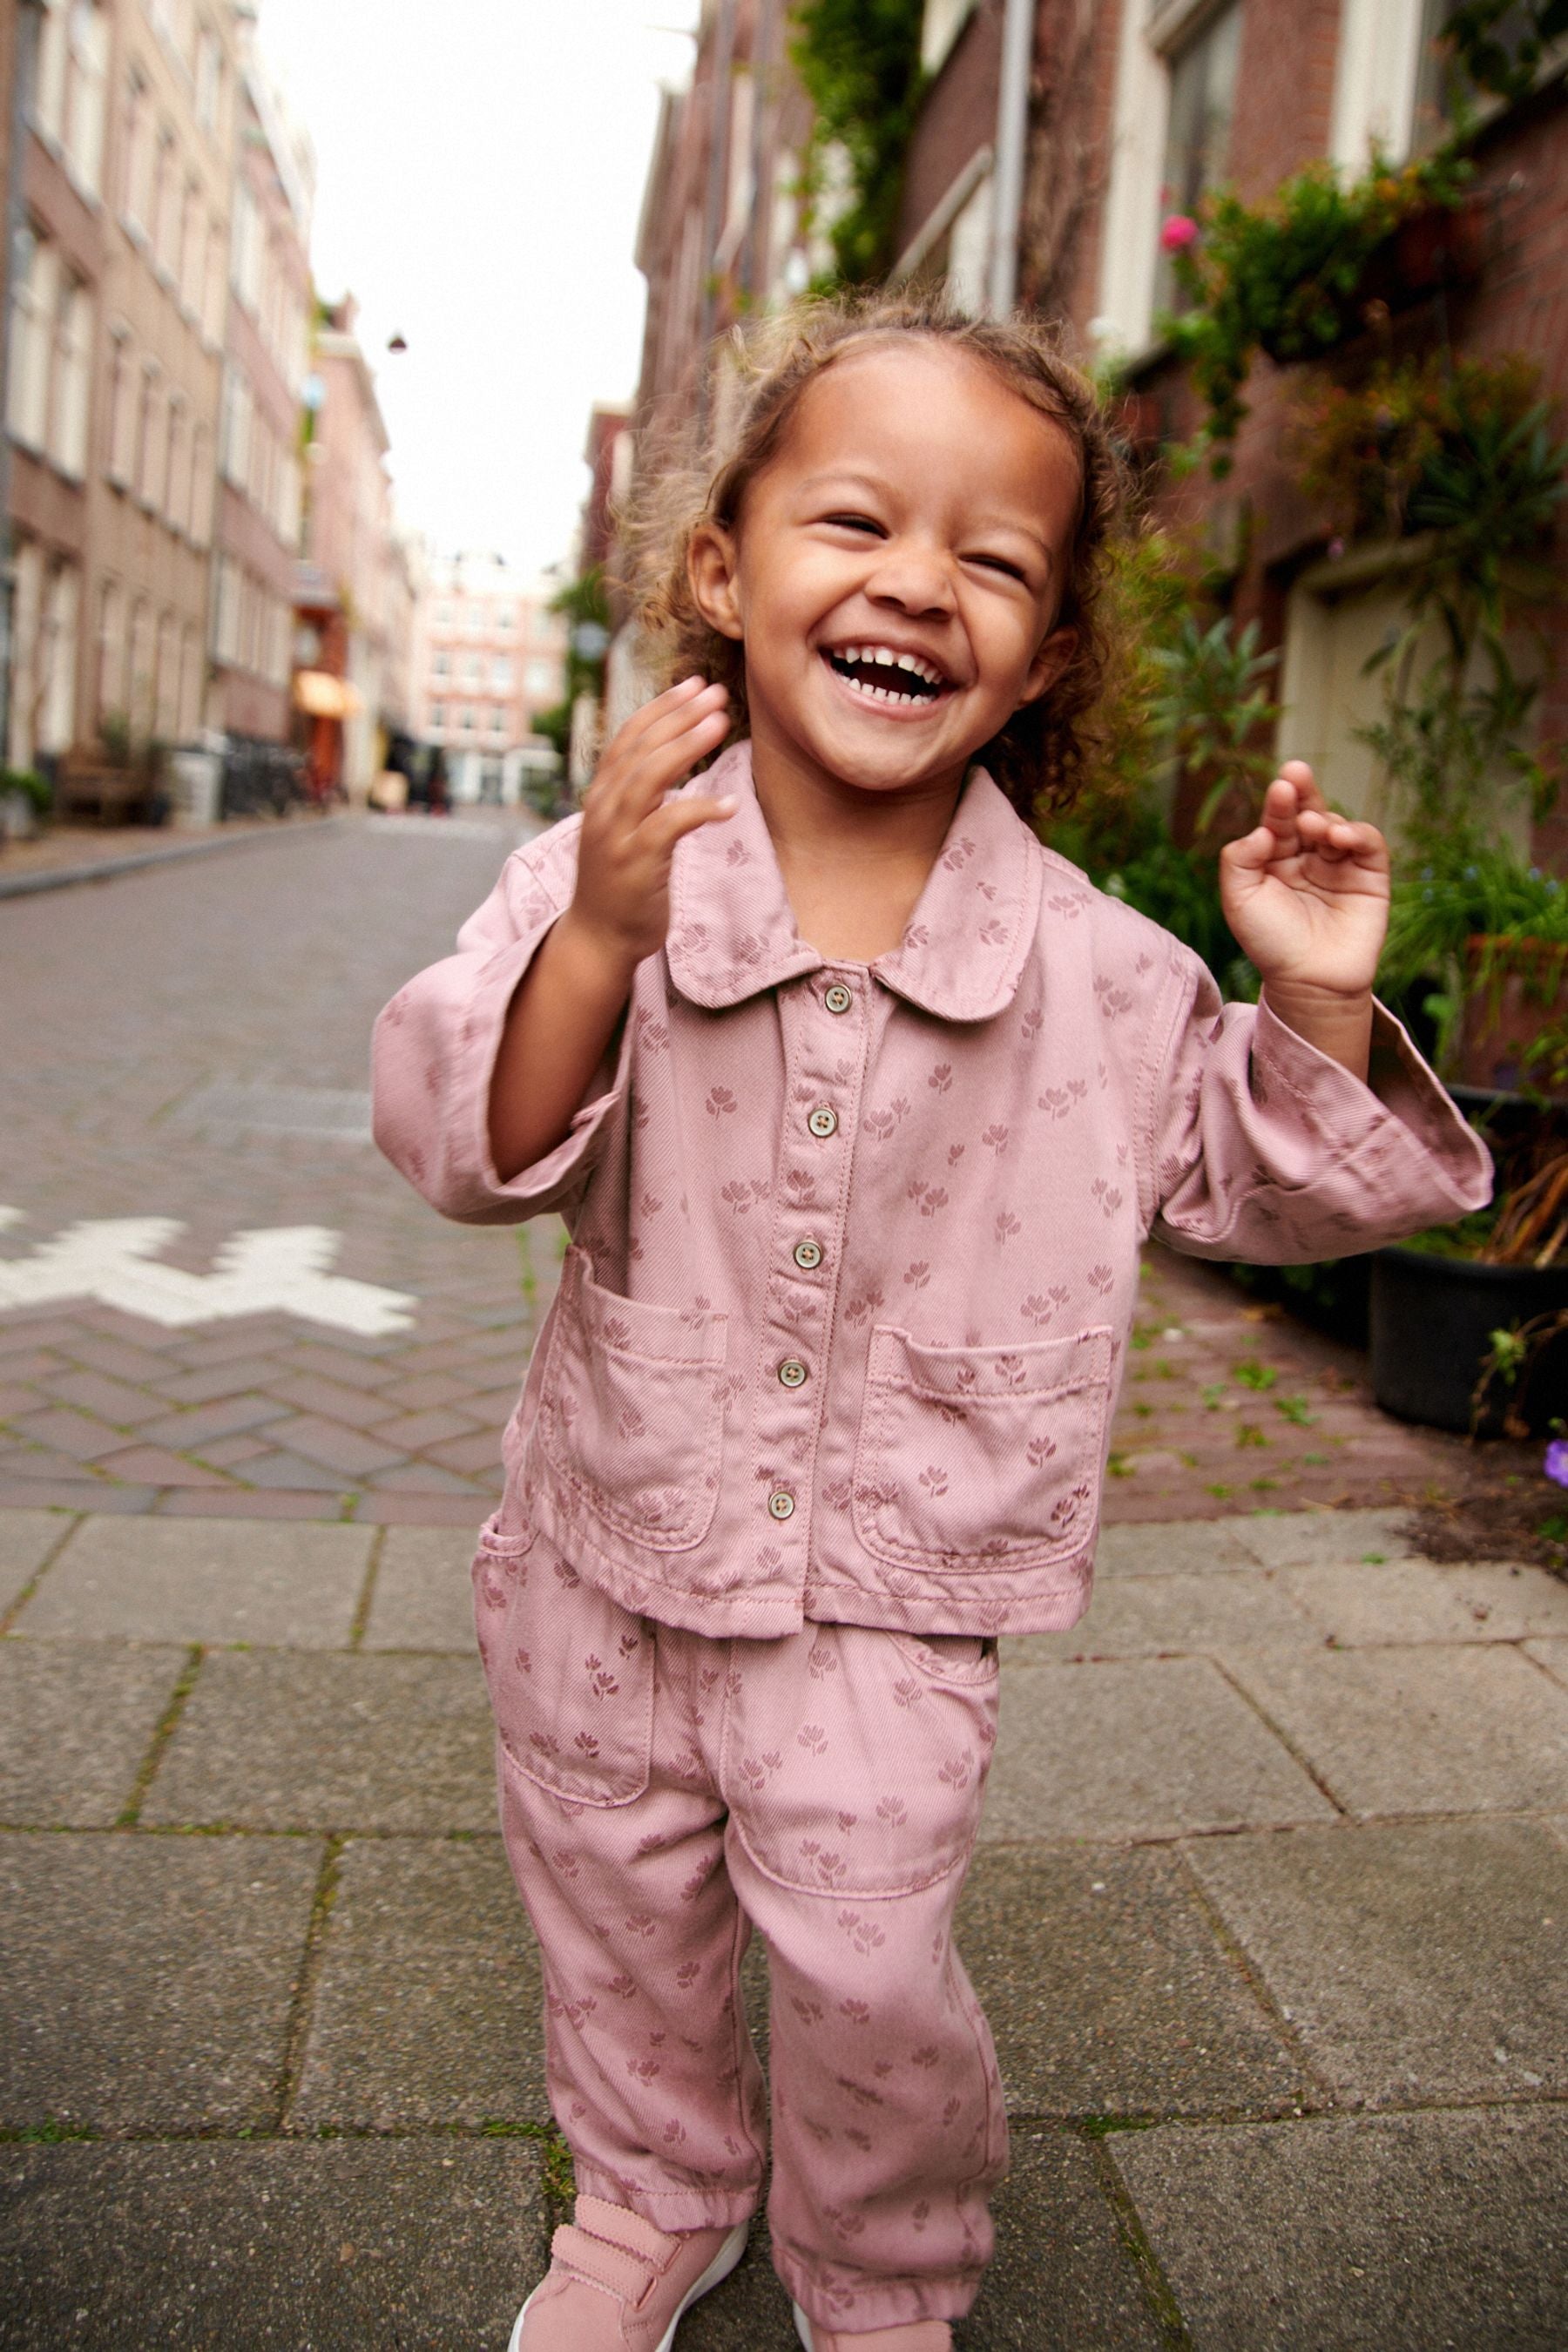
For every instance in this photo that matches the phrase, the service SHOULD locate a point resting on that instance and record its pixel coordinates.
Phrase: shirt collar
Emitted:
(732, 932)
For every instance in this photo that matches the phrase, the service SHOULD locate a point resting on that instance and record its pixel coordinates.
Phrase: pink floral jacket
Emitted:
(855, 1248)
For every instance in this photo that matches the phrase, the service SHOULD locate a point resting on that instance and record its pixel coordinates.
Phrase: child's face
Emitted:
(918, 510)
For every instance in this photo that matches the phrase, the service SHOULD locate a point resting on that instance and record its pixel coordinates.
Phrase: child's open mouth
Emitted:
(883, 676)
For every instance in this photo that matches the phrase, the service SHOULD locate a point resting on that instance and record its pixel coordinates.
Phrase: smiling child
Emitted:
(859, 1103)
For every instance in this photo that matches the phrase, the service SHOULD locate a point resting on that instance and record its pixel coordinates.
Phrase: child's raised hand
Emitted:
(1306, 892)
(629, 830)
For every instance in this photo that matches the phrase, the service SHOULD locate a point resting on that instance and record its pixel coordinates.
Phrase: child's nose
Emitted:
(914, 578)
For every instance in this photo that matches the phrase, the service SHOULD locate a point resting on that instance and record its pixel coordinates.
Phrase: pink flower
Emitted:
(1178, 231)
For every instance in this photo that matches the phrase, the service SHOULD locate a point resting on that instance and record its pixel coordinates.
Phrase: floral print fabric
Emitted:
(855, 1247)
(661, 1793)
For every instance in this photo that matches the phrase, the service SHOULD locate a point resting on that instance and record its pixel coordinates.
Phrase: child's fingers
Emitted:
(1252, 852)
(666, 756)
(1298, 773)
(678, 818)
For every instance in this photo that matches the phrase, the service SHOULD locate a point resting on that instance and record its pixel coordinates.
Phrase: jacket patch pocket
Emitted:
(570, 1671)
(631, 1414)
(981, 1458)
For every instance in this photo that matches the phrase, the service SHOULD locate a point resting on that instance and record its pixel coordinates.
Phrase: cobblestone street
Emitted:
(188, 1044)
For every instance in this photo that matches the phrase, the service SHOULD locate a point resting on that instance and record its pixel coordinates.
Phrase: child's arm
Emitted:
(571, 1000)
(1306, 893)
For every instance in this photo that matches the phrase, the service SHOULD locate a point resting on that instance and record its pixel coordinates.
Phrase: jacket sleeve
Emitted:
(1267, 1149)
(434, 1054)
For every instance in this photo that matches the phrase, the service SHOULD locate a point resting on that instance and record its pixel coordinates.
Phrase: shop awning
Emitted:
(322, 696)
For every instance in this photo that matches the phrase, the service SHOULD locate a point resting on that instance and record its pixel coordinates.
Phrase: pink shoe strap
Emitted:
(619, 2226)
(597, 2265)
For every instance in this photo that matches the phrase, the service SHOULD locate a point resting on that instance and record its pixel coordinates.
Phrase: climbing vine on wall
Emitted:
(860, 64)
(1500, 45)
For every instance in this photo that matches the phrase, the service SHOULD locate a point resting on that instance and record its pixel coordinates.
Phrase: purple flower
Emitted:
(1556, 1463)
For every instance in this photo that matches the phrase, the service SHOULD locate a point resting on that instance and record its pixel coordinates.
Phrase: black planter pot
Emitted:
(1431, 1326)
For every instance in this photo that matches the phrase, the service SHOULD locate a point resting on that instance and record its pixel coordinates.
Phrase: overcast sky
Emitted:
(479, 170)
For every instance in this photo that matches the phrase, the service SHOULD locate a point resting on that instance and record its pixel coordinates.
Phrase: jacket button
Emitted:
(791, 1372)
(781, 1505)
(808, 1254)
(823, 1121)
(837, 998)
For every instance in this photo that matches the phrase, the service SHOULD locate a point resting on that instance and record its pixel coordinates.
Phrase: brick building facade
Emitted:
(266, 357)
(488, 654)
(1132, 109)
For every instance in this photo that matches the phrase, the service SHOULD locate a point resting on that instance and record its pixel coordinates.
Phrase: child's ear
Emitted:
(1052, 657)
(711, 565)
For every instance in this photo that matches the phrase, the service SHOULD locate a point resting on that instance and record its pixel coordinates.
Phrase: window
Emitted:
(438, 714)
(209, 79)
(148, 444)
(140, 698)
(245, 248)
(505, 620)
(177, 477)
(541, 682)
(191, 249)
(441, 664)
(188, 703)
(501, 675)
(213, 285)
(443, 615)
(201, 487)
(942, 23)
(168, 696)
(49, 107)
(122, 452)
(234, 427)
(110, 690)
(164, 223)
(498, 723)
(225, 611)
(86, 82)
(32, 331)
(1197, 134)
(72, 377)
(468, 720)
(137, 148)
(1170, 142)
(473, 669)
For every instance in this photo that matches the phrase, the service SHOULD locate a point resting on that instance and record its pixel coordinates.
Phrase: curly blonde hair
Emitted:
(1042, 756)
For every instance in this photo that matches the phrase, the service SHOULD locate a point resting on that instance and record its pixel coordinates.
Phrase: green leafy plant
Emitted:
(1411, 430)
(1286, 276)
(860, 64)
(1500, 45)
(30, 786)
(1212, 707)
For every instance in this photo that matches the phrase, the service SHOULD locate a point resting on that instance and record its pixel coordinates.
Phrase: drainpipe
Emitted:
(1011, 149)
(24, 59)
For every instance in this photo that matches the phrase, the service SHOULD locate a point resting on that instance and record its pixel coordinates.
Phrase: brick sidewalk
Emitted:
(1267, 1915)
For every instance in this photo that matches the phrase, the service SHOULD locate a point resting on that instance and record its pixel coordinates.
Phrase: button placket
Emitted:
(827, 1070)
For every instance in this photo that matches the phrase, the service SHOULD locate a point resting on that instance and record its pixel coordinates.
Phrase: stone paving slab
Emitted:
(1181, 1614)
(1411, 1600)
(1145, 1749)
(76, 1721)
(424, 1598)
(1325, 1538)
(1108, 1991)
(145, 1983)
(26, 1540)
(1553, 1656)
(1478, 1730)
(1193, 1548)
(204, 1580)
(280, 1740)
(321, 2246)
(429, 2005)
(1362, 2235)
(1417, 1960)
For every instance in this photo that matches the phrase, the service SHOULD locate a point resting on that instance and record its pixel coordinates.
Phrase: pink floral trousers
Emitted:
(662, 1794)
